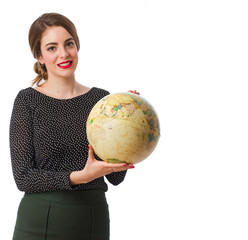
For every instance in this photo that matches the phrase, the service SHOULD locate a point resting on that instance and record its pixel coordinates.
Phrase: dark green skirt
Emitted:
(63, 215)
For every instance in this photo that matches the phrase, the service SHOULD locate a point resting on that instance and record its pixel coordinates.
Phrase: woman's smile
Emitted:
(65, 65)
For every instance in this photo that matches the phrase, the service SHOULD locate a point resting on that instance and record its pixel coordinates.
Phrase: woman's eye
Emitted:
(70, 44)
(51, 49)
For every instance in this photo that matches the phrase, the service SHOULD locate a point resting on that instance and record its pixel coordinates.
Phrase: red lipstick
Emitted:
(65, 65)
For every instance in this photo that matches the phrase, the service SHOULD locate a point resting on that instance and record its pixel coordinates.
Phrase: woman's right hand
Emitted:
(95, 169)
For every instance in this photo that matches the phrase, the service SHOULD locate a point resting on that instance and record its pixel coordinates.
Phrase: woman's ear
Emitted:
(40, 59)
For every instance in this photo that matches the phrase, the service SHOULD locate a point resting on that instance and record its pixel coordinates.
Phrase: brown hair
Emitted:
(35, 34)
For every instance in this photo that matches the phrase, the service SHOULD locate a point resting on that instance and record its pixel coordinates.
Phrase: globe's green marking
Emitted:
(137, 102)
(117, 108)
(114, 160)
(151, 123)
(151, 137)
(148, 112)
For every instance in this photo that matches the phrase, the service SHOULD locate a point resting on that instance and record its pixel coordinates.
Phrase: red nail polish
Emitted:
(88, 146)
(124, 165)
(131, 166)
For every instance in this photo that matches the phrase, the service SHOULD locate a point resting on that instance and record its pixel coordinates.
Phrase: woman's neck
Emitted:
(62, 88)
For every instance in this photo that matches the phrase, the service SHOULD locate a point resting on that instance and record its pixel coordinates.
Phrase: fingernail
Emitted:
(124, 165)
(131, 166)
(88, 146)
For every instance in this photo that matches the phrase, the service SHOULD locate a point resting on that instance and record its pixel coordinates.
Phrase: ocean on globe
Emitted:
(123, 127)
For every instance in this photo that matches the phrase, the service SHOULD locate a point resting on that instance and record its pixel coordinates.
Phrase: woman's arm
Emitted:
(27, 175)
(95, 169)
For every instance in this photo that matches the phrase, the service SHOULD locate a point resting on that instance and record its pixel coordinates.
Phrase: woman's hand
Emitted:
(95, 169)
(134, 91)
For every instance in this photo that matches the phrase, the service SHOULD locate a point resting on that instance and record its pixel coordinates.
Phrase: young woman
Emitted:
(52, 162)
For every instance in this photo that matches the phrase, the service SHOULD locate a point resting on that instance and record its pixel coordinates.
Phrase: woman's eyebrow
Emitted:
(69, 39)
(51, 43)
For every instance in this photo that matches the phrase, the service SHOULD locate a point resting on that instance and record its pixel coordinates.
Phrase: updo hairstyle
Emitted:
(35, 34)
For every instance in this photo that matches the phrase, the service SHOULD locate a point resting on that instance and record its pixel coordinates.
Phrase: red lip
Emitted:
(66, 64)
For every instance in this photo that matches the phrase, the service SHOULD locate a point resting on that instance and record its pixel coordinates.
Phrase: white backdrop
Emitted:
(189, 59)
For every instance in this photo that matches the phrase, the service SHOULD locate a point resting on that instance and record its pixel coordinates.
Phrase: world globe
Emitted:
(123, 128)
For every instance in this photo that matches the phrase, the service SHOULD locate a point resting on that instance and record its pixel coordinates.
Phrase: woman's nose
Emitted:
(63, 53)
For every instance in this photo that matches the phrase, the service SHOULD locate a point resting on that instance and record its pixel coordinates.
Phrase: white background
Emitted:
(189, 59)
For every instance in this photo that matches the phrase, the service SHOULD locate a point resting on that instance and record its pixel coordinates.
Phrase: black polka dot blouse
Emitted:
(48, 141)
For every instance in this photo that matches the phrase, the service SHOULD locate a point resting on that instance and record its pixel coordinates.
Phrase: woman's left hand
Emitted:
(134, 91)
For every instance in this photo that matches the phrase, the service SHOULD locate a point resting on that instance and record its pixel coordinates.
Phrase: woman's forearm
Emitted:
(78, 177)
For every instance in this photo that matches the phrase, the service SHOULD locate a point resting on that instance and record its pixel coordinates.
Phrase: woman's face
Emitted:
(58, 53)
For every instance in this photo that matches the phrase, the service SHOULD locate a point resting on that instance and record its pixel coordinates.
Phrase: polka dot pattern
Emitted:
(48, 141)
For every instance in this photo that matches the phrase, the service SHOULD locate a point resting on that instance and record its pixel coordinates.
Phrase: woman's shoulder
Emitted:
(24, 93)
(27, 96)
(100, 91)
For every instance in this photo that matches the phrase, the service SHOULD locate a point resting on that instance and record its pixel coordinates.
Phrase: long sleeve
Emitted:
(48, 141)
(28, 176)
(116, 178)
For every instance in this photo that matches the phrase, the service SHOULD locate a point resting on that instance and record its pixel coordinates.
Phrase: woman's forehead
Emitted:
(55, 34)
